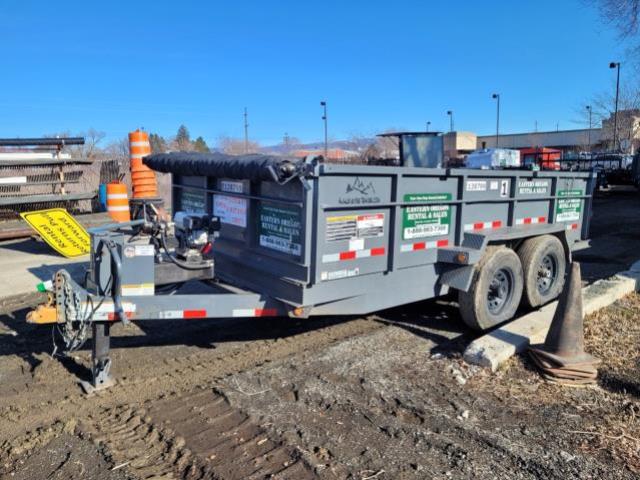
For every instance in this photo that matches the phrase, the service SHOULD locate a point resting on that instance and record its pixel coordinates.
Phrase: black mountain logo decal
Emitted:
(359, 186)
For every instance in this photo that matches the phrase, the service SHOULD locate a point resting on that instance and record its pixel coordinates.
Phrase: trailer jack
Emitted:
(65, 312)
(100, 361)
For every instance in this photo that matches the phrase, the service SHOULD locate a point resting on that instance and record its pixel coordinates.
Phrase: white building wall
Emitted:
(560, 139)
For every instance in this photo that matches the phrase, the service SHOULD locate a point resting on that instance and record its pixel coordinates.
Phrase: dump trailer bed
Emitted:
(282, 237)
(354, 239)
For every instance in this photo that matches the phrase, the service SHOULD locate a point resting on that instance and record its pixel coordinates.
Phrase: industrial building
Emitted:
(583, 139)
(579, 140)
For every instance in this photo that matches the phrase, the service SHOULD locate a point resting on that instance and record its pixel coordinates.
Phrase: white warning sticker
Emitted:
(370, 225)
(230, 210)
(106, 311)
(138, 289)
(144, 250)
(356, 244)
(350, 227)
(338, 274)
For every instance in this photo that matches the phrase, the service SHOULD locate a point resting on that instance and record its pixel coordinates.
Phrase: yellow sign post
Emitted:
(60, 230)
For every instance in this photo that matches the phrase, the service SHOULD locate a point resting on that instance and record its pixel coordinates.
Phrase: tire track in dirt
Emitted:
(145, 381)
(197, 436)
(148, 373)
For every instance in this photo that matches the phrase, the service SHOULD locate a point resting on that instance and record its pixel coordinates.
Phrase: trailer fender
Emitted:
(458, 262)
(457, 277)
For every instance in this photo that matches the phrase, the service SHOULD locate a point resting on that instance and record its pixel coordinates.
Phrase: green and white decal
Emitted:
(426, 220)
(533, 186)
(192, 201)
(279, 228)
(568, 209)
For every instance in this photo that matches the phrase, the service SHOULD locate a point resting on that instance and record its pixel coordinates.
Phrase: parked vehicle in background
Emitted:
(493, 158)
(611, 168)
(543, 157)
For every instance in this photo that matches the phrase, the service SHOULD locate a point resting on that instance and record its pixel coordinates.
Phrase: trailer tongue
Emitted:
(285, 237)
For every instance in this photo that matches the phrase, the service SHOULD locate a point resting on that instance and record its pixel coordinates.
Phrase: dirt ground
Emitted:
(384, 397)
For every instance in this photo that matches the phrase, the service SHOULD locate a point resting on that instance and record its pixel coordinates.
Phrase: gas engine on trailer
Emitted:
(195, 233)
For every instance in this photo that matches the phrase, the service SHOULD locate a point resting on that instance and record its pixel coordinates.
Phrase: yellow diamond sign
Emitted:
(60, 230)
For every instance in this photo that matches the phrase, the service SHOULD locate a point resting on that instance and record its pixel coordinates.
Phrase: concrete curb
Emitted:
(496, 347)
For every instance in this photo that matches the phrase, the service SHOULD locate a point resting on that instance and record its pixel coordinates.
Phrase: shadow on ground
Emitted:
(436, 321)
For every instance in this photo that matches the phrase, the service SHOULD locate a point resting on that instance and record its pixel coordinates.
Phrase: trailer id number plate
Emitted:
(476, 185)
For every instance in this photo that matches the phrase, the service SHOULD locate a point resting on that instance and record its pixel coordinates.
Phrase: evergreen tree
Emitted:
(182, 137)
(200, 145)
(158, 144)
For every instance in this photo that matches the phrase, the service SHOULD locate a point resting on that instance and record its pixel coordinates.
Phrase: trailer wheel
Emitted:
(495, 291)
(544, 264)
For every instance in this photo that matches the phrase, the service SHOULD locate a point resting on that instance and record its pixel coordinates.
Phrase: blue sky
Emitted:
(115, 66)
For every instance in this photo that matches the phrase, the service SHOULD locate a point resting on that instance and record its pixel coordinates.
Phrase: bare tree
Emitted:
(236, 146)
(628, 124)
(90, 149)
(389, 146)
(118, 150)
(623, 15)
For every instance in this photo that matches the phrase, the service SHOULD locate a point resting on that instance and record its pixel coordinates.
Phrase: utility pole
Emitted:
(285, 140)
(450, 113)
(535, 128)
(246, 132)
(428, 125)
(589, 135)
(323, 104)
(497, 97)
(615, 115)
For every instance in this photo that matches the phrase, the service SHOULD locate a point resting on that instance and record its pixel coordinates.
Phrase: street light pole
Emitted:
(450, 113)
(246, 132)
(428, 125)
(497, 97)
(323, 104)
(615, 115)
(589, 137)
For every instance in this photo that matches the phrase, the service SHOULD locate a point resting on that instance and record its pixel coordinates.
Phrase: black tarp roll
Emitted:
(255, 167)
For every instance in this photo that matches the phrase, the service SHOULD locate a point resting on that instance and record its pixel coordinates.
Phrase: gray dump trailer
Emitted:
(283, 237)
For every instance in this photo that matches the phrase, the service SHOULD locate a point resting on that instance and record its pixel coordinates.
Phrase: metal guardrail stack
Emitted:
(35, 174)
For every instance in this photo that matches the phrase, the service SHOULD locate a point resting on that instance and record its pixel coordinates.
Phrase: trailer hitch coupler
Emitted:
(43, 314)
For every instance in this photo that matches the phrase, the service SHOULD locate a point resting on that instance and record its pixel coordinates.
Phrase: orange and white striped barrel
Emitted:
(143, 179)
(118, 202)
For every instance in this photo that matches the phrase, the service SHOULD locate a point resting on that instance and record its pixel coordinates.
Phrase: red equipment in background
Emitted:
(545, 158)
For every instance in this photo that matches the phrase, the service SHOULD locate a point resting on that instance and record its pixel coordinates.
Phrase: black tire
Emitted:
(496, 289)
(544, 264)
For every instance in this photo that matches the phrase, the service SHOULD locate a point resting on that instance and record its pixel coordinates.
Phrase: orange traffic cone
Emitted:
(143, 179)
(118, 202)
(562, 358)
